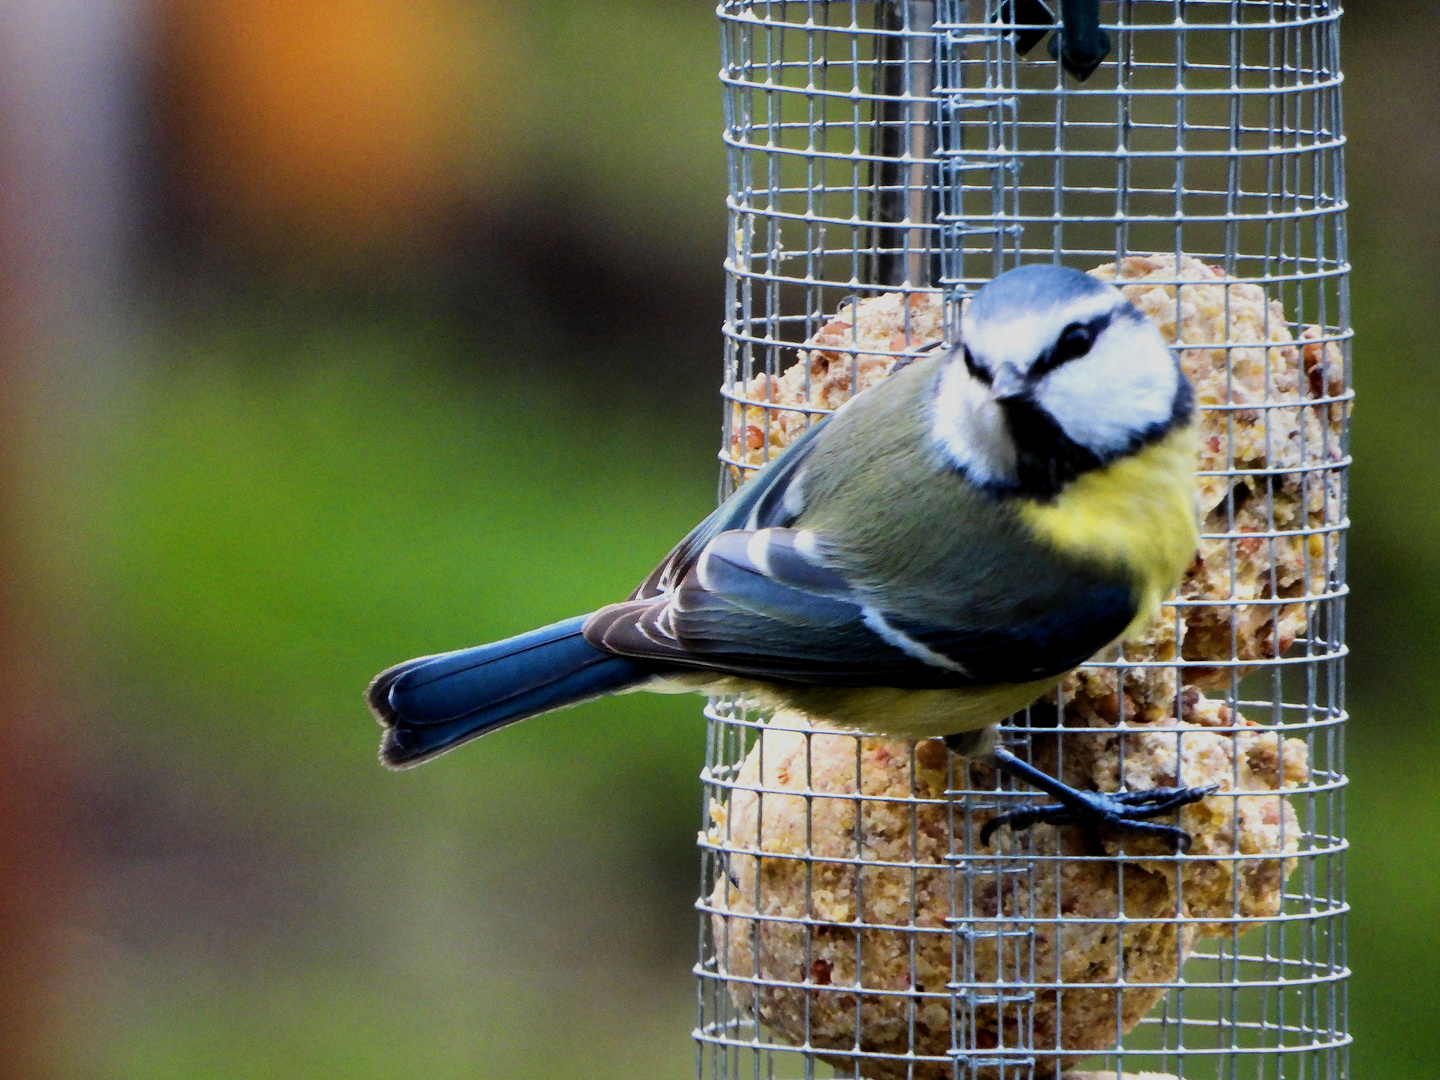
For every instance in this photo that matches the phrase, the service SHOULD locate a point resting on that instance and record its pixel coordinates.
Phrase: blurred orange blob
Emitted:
(332, 123)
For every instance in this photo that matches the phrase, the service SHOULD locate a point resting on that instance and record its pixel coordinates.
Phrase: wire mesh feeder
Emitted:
(886, 159)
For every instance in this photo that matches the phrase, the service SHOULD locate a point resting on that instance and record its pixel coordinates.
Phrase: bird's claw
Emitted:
(1124, 812)
(1158, 801)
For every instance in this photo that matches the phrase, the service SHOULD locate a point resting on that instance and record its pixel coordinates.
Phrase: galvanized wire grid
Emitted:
(881, 148)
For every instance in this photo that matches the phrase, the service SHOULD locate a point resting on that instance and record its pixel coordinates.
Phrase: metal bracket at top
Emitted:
(1079, 44)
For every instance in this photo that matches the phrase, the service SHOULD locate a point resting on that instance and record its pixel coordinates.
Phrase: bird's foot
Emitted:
(1125, 812)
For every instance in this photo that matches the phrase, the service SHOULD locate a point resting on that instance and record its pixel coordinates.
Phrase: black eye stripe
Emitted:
(1054, 356)
(976, 371)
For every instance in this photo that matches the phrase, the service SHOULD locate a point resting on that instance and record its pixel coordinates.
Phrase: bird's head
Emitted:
(1056, 373)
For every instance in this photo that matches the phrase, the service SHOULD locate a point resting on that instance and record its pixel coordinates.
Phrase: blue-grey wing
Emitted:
(1036, 644)
(759, 503)
(763, 604)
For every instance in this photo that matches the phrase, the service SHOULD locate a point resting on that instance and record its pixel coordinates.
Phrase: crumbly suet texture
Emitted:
(827, 858)
(852, 352)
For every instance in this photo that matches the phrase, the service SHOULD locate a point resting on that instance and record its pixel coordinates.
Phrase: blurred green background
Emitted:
(393, 326)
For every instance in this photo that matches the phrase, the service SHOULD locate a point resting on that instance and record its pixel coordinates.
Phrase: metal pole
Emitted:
(902, 187)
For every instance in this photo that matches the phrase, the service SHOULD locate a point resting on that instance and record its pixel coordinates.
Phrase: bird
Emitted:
(923, 562)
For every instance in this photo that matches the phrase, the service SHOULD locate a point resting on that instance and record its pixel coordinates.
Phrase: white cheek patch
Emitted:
(970, 428)
(1125, 386)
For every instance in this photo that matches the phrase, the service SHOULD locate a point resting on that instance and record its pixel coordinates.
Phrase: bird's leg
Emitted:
(1125, 811)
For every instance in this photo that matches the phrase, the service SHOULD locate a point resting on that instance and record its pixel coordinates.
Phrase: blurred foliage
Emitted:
(1392, 103)
(332, 126)
(627, 110)
(275, 519)
(281, 501)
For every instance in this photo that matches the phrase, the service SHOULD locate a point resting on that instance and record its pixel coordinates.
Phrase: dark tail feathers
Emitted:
(433, 703)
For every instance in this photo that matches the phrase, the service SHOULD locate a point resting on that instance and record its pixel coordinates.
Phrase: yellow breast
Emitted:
(1137, 515)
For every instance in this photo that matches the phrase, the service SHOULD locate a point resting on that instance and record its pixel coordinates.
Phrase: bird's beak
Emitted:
(1007, 383)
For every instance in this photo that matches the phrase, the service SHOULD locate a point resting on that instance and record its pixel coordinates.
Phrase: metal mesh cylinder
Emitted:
(885, 160)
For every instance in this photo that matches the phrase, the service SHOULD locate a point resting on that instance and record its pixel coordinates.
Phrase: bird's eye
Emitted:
(976, 371)
(1075, 341)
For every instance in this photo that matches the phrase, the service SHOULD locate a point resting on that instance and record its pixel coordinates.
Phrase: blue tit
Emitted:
(923, 562)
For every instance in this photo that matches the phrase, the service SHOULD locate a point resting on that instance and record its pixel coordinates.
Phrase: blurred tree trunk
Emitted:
(30, 816)
(62, 118)
(30, 900)
(30, 885)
